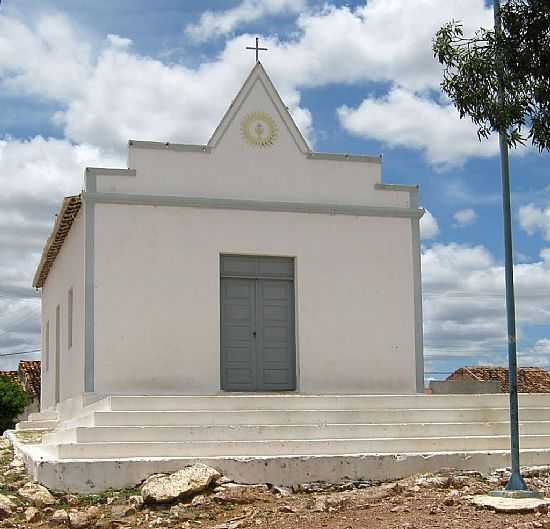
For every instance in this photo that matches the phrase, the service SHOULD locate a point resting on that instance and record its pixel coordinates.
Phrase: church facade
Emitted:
(249, 264)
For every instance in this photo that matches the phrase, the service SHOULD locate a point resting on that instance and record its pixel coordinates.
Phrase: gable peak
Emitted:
(258, 74)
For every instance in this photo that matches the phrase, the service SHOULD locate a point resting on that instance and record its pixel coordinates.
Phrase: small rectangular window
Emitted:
(47, 346)
(57, 350)
(70, 319)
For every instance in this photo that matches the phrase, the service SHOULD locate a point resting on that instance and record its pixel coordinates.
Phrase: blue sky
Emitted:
(79, 78)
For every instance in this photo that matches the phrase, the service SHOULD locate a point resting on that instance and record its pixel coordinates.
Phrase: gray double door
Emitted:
(257, 324)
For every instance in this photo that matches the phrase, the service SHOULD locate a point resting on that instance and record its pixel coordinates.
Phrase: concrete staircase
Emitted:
(283, 425)
(41, 421)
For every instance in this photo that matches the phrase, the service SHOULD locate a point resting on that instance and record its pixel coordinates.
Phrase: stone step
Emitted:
(266, 448)
(43, 416)
(316, 416)
(284, 431)
(36, 425)
(319, 402)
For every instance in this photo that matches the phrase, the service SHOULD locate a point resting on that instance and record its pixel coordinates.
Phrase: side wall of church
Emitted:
(66, 275)
(157, 297)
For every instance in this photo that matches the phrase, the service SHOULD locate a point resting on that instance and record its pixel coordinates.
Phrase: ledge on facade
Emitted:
(188, 147)
(396, 187)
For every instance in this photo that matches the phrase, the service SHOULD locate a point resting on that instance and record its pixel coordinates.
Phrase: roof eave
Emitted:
(64, 220)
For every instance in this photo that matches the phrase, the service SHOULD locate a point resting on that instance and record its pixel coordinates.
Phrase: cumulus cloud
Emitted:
(215, 23)
(464, 302)
(49, 59)
(464, 217)
(383, 40)
(35, 175)
(533, 219)
(394, 120)
(429, 228)
(116, 94)
(537, 355)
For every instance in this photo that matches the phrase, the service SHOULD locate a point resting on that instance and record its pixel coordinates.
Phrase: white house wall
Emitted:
(67, 272)
(234, 169)
(157, 296)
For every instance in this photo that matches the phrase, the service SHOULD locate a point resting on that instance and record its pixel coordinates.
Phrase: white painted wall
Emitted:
(156, 292)
(67, 272)
(157, 297)
(235, 169)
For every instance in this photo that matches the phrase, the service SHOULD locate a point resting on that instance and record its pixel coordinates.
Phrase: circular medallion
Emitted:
(259, 129)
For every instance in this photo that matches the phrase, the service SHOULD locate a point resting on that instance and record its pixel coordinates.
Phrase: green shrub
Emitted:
(13, 400)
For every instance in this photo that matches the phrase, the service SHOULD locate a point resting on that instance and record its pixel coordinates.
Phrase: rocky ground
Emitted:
(198, 497)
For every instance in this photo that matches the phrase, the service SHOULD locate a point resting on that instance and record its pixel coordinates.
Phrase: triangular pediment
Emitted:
(255, 102)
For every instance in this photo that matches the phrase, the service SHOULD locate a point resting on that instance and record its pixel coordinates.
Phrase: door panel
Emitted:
(238, 348)
(275, 335)
(257, 324)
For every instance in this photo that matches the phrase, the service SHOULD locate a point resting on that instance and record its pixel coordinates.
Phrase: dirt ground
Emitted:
(418, 502)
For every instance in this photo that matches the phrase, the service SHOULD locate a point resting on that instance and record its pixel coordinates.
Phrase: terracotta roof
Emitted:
(30, 375)
(63, 222)
(12, 375)
(530, 379)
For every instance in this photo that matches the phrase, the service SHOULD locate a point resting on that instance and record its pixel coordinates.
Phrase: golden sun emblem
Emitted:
(259, 129)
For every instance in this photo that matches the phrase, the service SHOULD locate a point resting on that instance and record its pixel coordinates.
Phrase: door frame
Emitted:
(255, 272)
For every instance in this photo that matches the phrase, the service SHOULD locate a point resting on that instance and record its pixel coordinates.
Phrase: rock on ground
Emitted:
(6, 507)
(161, 488)
(60, 517)
(81, 520)
(119, 512)
(330, 503)
(232, 493)
(510, 505)
(36, 494)
(32, 514)
(136, 501)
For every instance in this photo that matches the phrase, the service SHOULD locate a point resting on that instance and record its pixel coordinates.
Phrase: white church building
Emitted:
(252, 305)
(249, 264)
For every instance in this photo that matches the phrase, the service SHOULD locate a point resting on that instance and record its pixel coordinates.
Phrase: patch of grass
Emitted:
(131, 491)
(101, 498)
(5, 490)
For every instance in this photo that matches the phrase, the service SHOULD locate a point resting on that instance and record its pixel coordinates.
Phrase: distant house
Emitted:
(530, 379)
(12, 375)
(28, 376)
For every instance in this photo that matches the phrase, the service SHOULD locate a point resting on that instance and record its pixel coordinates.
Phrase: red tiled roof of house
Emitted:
(530, 379)
(12, 375)
(29, 374)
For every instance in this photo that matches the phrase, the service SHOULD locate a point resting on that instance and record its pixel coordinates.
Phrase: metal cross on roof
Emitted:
(257, 48)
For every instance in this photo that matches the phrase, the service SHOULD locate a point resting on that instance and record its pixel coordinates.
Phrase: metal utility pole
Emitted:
(516, 482)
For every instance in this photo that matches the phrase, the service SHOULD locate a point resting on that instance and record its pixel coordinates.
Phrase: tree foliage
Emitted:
(13, 400)
(518, 57)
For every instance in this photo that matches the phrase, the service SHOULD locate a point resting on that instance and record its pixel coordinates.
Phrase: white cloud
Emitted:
(116, 94)
(215, 23)
(130, 96)
(429, 228)
(464, 217)
(384, 40)
(533, 219)
(47, 168)
(35, 174)
(464, 301)
(404, 119)
(537, 355)
(50, 59)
